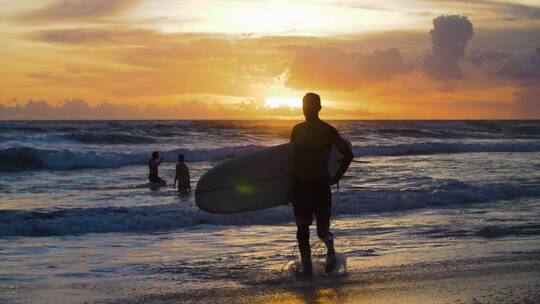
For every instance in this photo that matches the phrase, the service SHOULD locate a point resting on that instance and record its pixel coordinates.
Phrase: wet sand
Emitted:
(506, 278)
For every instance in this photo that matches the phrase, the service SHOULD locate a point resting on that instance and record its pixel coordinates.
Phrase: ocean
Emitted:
(79, 223)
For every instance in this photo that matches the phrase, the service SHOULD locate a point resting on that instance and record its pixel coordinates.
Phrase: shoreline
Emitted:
(505, 278)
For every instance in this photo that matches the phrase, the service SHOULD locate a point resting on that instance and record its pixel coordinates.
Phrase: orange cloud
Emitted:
(76, 10)
(377, 75)
(335, 69)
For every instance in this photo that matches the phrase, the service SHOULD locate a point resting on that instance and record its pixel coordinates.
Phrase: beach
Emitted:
(506, 278)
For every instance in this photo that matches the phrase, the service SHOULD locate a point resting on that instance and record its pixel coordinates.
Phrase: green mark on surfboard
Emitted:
(245, 189)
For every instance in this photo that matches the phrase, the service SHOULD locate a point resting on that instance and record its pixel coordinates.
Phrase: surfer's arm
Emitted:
(348, 155)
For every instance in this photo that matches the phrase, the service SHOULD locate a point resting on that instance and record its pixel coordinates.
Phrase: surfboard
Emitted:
(256, 181)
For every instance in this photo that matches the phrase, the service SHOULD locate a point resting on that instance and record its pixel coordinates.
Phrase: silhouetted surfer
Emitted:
(182, 175)
(313, 140)
(153, 164)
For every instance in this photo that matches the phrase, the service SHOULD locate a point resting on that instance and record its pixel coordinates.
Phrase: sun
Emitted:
(276, 102)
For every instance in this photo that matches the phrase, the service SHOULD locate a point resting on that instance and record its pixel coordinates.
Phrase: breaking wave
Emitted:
(108, 138)
(439, 193)
(25, 158)
(445, 148)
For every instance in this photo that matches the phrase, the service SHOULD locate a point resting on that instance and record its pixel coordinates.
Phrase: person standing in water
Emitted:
(182, 175)
(312, 141)
(153, 164)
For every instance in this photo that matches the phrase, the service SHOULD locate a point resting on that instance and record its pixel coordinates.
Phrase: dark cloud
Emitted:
(521, 67)
(482, 57)
(514, 10)
(69, 109)
(507, 39)
(336, 69)
(449, 37)
(525, 70)
(505, 9)
(96, 36)
(498, 10)
(80, 109)
(502, 10)
(77, 10)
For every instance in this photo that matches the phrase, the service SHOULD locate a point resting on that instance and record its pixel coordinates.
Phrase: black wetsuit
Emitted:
(312, 142)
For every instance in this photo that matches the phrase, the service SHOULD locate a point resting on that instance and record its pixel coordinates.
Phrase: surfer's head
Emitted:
(181, 157)
(311, 105)
(155, 154)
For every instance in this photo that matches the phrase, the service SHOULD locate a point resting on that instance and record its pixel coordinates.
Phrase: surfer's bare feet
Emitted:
(307, 272)
(305, 275)
(331, 262)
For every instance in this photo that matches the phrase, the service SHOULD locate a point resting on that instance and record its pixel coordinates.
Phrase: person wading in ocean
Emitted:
(153, 164)
(182, 175)
(313, 140)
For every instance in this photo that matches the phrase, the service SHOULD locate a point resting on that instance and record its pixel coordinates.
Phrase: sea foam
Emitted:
(166, 217)
(26, 158)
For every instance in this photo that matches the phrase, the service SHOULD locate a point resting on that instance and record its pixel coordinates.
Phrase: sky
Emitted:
(240, 59)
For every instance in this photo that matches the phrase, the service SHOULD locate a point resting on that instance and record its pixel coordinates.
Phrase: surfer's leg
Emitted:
(303, 215)
(323, 211)
(302, 235)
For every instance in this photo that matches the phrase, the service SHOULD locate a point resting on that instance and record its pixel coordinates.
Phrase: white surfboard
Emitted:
(259, 180)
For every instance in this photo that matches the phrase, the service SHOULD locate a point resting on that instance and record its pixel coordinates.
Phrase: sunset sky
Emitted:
(239, 59)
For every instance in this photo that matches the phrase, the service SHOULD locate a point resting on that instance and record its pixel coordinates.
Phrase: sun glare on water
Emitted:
(276, 102)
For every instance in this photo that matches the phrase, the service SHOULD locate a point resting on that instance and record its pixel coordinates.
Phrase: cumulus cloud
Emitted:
(449, 37)
(77, 10)
(336, 69)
